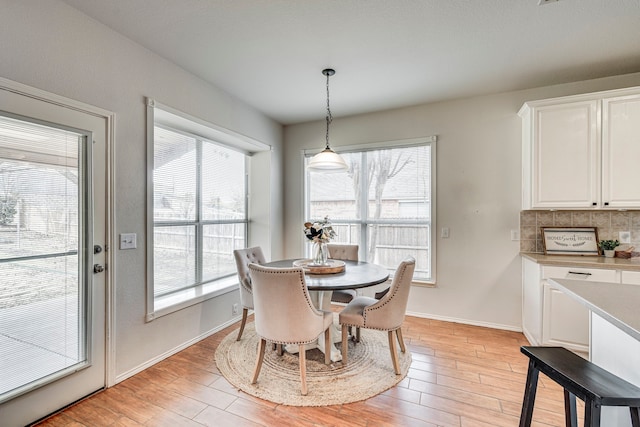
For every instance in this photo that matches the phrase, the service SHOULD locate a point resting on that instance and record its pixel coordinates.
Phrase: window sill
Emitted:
(186, 298)
(423, 284)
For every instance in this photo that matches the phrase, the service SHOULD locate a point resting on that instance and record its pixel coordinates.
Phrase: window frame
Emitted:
(177, 121)
(364, 222)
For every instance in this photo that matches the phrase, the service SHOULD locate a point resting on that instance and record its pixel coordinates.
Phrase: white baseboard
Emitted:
(466, 321)
(123, 376)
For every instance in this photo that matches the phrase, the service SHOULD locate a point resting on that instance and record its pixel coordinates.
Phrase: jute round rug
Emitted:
(369, 370)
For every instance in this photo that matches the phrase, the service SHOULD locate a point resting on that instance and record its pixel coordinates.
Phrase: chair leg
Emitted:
(394, 353)
(256, 371)
(635, 416)
(530, 389)
(344, 344)
(245, 312)
(401, 340)
(357, 334)
(302, 357)
(328, 346)
(279, 349)
(570, 413)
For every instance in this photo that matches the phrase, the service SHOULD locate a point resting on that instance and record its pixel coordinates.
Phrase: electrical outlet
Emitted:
(624, 236)
(515, 235)
(234, 309)
(444, 233)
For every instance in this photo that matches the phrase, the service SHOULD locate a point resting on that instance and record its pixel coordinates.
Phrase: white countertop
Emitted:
(632, 264)
(615, 302)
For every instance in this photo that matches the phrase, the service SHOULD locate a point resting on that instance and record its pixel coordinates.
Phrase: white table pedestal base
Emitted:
(322, 299)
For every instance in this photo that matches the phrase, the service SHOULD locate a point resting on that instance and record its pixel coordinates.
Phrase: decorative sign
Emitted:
(570, 240)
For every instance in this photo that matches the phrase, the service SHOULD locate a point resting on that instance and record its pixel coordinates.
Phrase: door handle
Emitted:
(97, 268)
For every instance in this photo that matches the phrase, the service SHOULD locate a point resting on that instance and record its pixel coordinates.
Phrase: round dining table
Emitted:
(356, 275)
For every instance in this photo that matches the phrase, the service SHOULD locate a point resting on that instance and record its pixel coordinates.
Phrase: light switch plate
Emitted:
(128, 241)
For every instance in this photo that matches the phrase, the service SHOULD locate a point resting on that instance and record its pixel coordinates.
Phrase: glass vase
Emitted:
(320, 253)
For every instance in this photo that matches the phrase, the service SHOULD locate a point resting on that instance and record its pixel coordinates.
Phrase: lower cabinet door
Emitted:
(565, 322)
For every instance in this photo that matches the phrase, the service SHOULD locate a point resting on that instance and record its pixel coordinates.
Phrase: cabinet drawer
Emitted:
(593, 274)
(631, 277)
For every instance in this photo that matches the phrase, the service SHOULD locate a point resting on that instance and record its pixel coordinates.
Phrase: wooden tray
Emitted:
(333, 266)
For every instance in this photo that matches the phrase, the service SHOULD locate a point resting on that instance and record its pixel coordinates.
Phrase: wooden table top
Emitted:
(357, 274)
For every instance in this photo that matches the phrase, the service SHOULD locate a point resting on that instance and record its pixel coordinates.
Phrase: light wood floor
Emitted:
(462, 376)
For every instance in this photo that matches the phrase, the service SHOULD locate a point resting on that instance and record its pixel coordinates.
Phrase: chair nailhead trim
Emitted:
(303, 285)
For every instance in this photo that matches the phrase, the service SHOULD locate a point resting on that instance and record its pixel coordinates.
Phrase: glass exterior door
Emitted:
(52, 305)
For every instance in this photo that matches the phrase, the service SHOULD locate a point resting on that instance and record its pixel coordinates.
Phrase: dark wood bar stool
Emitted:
(579, 378)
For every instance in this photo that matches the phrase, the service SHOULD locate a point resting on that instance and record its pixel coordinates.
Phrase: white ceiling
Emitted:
(386, 53)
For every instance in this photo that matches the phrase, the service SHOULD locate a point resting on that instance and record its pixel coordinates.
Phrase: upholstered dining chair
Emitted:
(379, 295)
(284, 314)
(386, 314)
(346, 253)
(243, 258)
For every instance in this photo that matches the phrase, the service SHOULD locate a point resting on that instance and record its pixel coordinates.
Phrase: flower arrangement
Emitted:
(319, 232)
(608, 245)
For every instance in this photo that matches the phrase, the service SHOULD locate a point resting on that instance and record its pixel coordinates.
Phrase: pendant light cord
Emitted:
(329, 116)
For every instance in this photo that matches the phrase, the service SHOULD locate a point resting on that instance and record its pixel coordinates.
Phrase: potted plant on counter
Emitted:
(608, 247)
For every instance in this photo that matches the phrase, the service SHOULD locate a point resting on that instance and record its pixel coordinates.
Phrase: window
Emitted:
(198, 203)
(383, 203)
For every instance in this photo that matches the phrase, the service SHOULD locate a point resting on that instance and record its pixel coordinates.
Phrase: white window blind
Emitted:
(42, 287)
(198, 189)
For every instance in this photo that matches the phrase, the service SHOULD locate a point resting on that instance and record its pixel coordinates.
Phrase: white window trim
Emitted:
(183, 122)
(400, 143)
(370, 146)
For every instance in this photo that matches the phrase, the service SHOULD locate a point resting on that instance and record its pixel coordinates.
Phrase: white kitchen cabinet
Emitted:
(551, 317)
(631, 277)
(621, 151)
(578, 152)
(580, 273)
(565, 322)
(531, 301)
(560, 149)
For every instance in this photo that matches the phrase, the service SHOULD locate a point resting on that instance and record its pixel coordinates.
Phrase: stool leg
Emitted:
(570, 413)
(635, 416)
(529, 395)
(591, 414)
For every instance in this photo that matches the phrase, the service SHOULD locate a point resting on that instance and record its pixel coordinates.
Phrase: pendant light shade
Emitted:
(327, 161)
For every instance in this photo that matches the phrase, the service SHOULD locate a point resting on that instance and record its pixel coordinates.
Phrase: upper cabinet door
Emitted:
(562, 145)
(621, 151)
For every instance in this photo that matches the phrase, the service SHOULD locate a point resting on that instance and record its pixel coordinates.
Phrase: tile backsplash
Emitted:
(609, 224)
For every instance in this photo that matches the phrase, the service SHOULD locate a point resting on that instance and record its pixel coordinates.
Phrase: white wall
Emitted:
(50, 46)
(478, 194)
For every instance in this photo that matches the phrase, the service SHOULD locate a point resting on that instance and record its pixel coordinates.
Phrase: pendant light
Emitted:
(327, 161)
